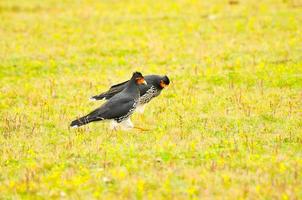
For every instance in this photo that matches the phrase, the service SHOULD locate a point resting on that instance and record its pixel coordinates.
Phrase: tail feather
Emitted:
(100, 97)
(96, 115)
(111, 92)
(80, 122)
(84, 120)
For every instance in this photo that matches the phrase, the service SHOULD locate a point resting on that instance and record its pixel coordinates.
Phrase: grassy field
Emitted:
(228, 127)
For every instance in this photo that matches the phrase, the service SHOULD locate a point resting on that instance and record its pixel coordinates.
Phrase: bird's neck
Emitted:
(132, 86)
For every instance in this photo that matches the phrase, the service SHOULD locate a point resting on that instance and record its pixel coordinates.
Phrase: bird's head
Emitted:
(164, 82)
(139, 78)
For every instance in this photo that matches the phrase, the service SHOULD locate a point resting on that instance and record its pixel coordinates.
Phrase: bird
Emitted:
(155, 84)
(119, 108)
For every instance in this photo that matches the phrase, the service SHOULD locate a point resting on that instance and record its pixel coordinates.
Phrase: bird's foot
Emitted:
(141, 129)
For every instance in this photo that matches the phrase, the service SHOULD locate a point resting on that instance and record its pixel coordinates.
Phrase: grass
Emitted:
(228, 127)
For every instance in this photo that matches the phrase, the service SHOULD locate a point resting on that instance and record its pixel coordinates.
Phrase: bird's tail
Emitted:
(99, 97)
(80, 122)
(84, 120)
(111, 92)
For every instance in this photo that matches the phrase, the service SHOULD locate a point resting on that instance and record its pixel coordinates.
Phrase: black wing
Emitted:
(111, 92)
(112, 109)
(150, 79)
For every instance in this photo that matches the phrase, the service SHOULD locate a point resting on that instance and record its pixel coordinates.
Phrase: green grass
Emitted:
(229, 125)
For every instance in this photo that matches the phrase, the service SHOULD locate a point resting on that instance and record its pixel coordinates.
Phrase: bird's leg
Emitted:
(126, 124)
(140, 108)
(113, 125)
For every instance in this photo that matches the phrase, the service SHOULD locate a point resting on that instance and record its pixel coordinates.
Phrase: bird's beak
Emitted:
(144, 82)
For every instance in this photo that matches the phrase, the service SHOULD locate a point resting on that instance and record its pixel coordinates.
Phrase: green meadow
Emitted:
(229, 126)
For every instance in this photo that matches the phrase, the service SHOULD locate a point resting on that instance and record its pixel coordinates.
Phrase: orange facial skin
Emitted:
(162, 84)
(141, 81)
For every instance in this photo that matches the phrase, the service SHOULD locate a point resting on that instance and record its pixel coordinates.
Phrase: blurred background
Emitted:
(228, 126)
